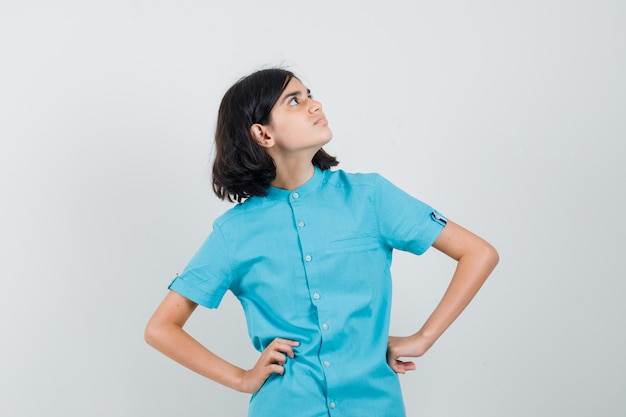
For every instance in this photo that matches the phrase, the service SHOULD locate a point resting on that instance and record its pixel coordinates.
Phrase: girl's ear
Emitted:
(261, 135)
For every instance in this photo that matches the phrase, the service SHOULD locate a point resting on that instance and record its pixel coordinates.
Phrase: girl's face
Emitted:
(297, 122)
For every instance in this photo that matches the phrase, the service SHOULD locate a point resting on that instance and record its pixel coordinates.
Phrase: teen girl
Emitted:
(307, 251)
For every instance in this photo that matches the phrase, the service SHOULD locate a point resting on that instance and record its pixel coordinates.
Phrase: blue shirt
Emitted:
(313, 265)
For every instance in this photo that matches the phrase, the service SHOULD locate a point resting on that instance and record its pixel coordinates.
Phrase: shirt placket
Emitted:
(311, 253)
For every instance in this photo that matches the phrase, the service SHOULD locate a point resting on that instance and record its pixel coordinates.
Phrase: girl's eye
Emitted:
(293, 101)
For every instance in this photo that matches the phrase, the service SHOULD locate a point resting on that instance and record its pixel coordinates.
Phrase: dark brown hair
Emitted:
(242, 168)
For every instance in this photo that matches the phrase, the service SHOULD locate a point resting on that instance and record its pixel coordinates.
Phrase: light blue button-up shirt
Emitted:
(313, 265)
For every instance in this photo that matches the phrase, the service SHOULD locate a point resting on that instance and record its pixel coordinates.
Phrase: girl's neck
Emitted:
(292, 176)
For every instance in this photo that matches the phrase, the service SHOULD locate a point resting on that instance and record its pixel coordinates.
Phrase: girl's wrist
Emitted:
(423, 340)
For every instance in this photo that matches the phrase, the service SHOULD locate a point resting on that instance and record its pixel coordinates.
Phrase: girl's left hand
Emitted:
(402, 347)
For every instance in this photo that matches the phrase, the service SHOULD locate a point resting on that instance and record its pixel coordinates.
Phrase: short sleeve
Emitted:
(405, 222)
(207, 276)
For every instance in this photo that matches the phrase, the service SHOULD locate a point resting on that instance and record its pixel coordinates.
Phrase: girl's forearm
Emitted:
(174, 342)
(471, 272)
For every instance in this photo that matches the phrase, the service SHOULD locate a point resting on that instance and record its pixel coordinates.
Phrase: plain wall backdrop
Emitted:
(507, 116)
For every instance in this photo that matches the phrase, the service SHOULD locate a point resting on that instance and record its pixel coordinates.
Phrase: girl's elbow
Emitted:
(491, 255)
(150, 333)
(147, 334)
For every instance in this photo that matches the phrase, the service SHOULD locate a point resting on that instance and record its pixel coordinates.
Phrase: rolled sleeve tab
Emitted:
(439, 218)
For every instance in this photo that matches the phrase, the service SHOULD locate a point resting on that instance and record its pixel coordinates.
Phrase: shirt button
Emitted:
(308, 258)
(332, 404)
(324, 326)
(295, 195)
(301, 223)
(316, 296)
(326, 364)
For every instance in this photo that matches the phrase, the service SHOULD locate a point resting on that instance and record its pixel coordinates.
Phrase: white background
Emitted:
(507, 116)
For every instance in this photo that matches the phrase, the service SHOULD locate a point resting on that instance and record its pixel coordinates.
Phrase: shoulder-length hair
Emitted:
(242, 168)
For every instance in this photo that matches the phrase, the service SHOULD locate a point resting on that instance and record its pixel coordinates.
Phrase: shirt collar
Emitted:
(303, 190)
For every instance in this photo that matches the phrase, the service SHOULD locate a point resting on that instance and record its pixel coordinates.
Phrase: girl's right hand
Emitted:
(272, 361)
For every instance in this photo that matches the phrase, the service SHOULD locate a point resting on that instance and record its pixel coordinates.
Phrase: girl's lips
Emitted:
(320, 121)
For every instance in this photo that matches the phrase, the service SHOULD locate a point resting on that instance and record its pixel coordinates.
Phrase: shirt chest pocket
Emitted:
(352, 244)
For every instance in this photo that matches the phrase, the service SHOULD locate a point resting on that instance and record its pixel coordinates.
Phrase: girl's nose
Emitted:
(315, 106)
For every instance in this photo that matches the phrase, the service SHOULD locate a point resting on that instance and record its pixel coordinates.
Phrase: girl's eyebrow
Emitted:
(296, 94)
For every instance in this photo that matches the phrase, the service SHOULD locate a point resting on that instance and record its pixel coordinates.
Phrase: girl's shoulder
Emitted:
(240, 211)
(340, 177)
